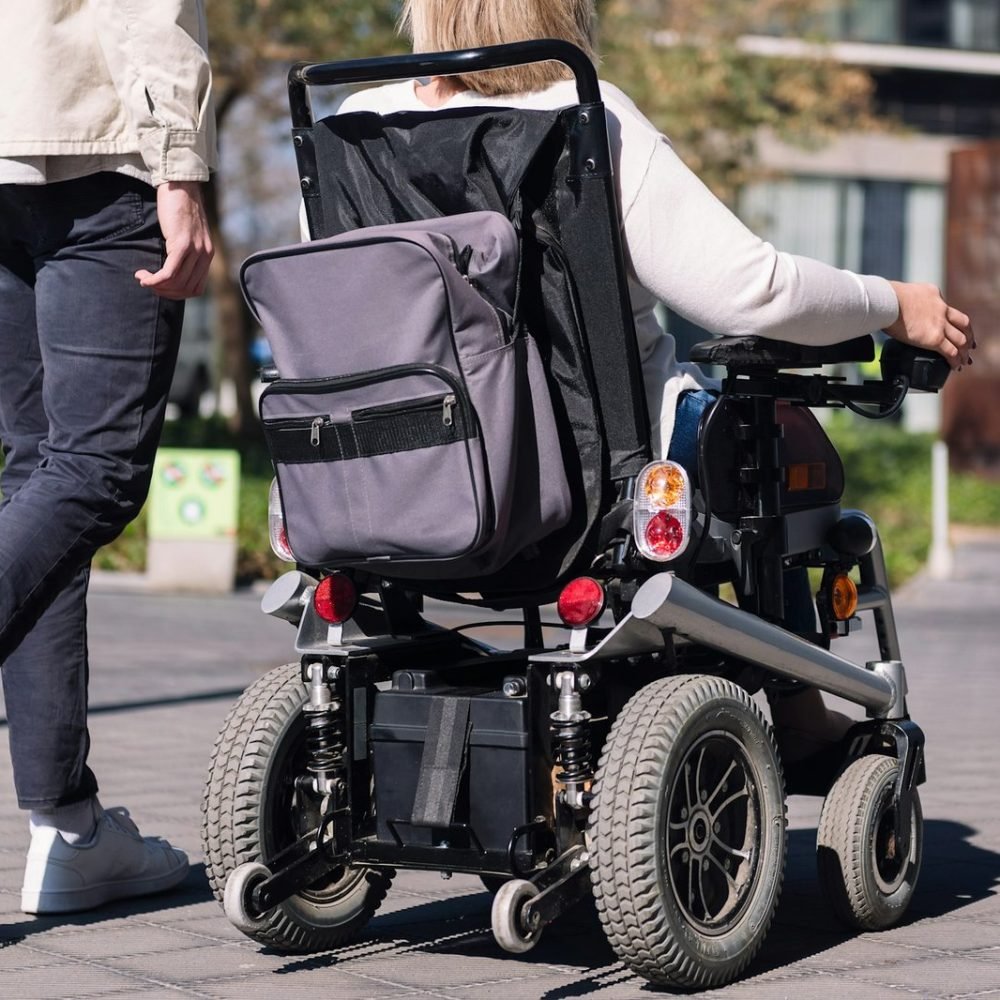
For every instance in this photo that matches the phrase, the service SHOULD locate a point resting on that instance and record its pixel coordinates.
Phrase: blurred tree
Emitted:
(687, 65)
(251, 41)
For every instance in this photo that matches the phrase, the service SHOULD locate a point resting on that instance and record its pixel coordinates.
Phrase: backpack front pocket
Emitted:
(378, 466)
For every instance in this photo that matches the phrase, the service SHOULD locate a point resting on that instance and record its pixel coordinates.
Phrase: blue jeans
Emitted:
(800, 612)
(86, 359)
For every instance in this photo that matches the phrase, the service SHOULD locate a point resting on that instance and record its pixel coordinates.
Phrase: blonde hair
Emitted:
(440, 25)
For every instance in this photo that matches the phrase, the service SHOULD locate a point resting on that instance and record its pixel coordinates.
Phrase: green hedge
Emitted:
(888, 474)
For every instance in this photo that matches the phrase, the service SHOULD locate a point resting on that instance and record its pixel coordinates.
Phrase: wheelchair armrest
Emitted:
(754, 353)
(925, 370)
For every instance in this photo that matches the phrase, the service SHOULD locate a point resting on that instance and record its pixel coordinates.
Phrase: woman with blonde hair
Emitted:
(683, 247)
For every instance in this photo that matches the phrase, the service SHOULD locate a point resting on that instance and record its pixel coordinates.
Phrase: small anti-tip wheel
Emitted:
(505, 917)
(239, 889)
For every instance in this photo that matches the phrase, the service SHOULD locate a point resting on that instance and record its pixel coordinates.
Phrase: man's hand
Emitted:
(926, 320)
(189, 245)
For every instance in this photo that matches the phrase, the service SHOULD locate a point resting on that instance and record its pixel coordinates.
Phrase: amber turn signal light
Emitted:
(843, 597)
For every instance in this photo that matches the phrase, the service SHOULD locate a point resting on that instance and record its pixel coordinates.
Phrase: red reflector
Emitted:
(335, 598)
(581, 601)
(664, 533)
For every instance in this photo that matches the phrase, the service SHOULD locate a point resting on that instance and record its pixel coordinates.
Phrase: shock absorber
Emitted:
(570, 728)
(326, 745)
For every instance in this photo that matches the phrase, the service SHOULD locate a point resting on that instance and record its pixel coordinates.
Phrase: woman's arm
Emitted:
(692, 252)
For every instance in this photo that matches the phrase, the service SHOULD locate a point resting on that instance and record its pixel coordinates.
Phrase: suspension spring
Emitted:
(570, 729)
(326, 727)
(326, 745)
(571, 748)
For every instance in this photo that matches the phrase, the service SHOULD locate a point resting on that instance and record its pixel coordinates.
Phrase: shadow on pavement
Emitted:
(194, 889)
(955, 873)
(228, 693)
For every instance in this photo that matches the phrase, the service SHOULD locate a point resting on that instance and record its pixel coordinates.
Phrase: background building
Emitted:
(877, 202)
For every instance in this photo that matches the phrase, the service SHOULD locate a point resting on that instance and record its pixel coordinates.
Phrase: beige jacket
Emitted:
(108, 78)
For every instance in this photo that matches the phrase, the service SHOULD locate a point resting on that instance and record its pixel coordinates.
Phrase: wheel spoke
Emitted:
(697, 775)
(691, 871)
(721, 783)
(701, 889)
(743, 793)
(687, 785)
(682, 846)
(733, 890)
(736, 852)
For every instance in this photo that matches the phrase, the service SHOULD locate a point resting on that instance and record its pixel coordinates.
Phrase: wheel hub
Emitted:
(713, 831)
(699, 832)
(889, 865)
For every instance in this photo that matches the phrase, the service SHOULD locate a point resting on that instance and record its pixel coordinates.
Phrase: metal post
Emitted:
(939, 560)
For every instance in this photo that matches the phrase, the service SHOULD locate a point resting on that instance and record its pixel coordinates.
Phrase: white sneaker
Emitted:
(115, 863)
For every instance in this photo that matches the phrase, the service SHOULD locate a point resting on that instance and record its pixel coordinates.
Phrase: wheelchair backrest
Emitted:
(550, 173)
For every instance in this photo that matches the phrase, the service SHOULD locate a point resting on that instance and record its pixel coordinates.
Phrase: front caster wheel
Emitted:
(688, 831)
(253, 810)
(506, 916)
(869, 884)
(236, 901)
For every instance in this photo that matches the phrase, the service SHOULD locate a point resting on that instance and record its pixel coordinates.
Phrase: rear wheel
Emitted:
(252, 811)
(868, 882)
(688, 831)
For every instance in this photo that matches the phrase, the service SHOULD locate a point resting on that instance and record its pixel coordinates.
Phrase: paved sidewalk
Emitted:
(166, 670)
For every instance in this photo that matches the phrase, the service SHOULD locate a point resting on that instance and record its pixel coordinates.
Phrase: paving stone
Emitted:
(935, 975)
(129, 941)
(58, 981)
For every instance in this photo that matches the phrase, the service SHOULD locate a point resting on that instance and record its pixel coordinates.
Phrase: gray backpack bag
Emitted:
(411, 428)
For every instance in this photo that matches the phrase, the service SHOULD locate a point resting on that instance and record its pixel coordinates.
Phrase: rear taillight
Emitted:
(276, 525)
(661, 511)
(581, 602)
(335, 598)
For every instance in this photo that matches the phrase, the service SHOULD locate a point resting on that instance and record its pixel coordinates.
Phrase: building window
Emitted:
(876, 227)
(960, 24)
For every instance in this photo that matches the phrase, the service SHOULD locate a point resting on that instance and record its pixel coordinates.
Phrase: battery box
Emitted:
(494, 788)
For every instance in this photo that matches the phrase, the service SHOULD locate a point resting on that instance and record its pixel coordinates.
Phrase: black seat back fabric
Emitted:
(374, 170)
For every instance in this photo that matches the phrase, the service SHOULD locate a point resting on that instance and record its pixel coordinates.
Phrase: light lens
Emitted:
(581, 602)
(806, 476)
(843, 597)
(661, 511)
(276, 530)
(664, 535)
(665, 485)
(335, 598)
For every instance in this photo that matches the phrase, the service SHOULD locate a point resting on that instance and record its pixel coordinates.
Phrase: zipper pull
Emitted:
(314, 432)
(449, 404)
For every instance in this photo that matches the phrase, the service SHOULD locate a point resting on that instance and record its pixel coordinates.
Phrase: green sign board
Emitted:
(195, 494)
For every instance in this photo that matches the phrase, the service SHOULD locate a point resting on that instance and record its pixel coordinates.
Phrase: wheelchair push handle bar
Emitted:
(419, 64)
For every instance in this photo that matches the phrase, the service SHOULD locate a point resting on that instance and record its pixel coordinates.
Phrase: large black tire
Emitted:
(869, 886)
(687, 831)
(250, 815)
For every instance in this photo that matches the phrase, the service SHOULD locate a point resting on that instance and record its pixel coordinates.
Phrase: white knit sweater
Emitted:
(685, 248)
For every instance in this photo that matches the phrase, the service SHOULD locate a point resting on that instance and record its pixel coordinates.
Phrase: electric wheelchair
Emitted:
(619, 755)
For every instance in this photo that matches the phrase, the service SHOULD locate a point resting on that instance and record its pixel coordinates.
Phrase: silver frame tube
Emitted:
(669, 603)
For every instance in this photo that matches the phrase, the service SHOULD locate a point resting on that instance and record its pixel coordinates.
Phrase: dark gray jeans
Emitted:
(86, 359)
